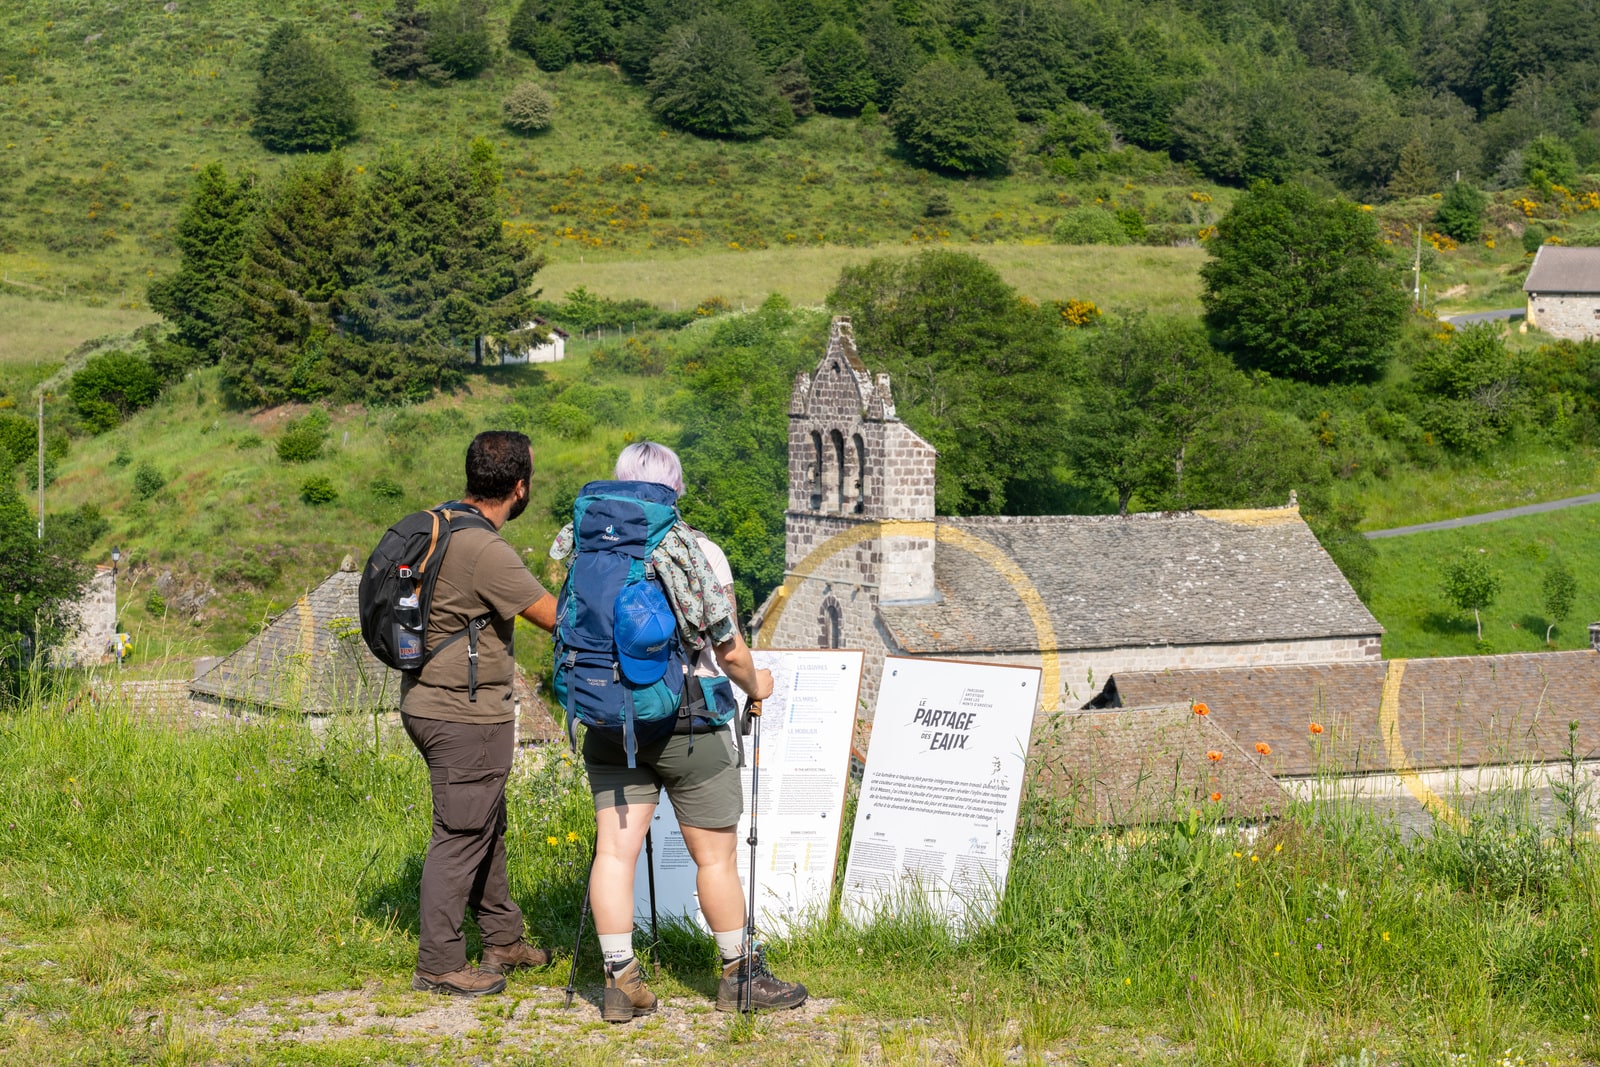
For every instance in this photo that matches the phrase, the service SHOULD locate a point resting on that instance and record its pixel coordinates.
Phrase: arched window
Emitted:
(816, 470)
(858, 490)
(830, 625)
(840, 477)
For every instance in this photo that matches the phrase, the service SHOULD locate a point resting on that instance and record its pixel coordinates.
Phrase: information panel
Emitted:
(938, 808)
(806, 727)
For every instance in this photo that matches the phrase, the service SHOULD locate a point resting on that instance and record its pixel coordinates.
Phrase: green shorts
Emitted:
(704, 785)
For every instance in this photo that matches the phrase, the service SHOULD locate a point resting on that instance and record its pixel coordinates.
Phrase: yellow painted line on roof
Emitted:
(1253, 516)
(1002, 564)
(1389, 728)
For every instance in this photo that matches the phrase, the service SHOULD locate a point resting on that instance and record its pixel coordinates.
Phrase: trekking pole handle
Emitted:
(752, 708)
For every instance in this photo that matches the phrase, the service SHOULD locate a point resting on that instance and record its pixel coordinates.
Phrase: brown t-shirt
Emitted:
(481, 574)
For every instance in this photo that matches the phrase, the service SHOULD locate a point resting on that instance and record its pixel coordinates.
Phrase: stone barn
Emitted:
(869, 565)
(1563, 290)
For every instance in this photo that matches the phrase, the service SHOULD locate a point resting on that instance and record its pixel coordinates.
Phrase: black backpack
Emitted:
(397, 590)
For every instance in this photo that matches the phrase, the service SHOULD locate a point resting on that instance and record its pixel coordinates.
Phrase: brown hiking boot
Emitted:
(499, 959)
(766, 992)
(467, 982)
(626, 995)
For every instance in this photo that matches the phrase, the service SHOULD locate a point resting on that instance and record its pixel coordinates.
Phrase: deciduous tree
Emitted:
(1559, 589)
(708, 80)
(951, 117)
(1298, 286)
(1471, 585)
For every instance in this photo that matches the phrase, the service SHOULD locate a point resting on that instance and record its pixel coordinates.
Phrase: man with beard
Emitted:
(467, 734)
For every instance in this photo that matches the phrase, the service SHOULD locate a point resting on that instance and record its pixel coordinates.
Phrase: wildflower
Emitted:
(1254, 858)
(1384, 935)
(1263, 748)
(1238, 855)
(1316, 727)
(1215, 797)
(1127, 981)
(572, 835)
(1214, 756)
(552, 840)
(1319, 946)
(1201, 709)
(1278, 847)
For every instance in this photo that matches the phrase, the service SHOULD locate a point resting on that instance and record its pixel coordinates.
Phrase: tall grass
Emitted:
(145, 868)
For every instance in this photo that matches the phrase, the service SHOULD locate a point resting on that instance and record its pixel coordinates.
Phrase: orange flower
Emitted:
(1214, 756)
(1316, 727)
(1201, 709)
(1215, 797)
(1263, 748)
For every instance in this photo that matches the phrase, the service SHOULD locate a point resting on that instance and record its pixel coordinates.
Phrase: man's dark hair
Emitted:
(496, 461)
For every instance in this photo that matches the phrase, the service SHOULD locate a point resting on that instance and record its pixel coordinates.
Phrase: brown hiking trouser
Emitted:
(466, 865)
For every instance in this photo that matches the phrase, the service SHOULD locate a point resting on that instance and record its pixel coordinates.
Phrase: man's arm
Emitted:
(739, 665)
(542, 613)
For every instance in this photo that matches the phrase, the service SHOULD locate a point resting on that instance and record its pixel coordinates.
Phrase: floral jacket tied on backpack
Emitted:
(702, 608)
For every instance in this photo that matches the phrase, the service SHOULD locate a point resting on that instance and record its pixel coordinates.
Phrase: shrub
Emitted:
(565, 420)
(318, 490)
(527, 108)
(18, 438)
(1089, 226)
(155, 605)
(836, 65)
(110, 387)
(302, 104)
(251, 569)
(1548, 161)
(304, 437)
(122, 458)
(385, 488)
(147, 480)
(953, 118)
(1073, 130)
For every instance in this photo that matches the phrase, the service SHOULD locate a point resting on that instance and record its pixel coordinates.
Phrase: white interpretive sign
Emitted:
(938, 808)
(806, 726)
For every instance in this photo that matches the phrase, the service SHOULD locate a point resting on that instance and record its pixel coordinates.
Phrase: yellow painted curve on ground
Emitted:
(1389, 728)
(1002, 564)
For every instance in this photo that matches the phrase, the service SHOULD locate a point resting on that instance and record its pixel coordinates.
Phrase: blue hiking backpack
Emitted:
(619, 661)
(612, 592)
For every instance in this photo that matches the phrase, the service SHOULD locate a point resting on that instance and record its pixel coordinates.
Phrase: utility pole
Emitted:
(41, 465)
(1416, 276)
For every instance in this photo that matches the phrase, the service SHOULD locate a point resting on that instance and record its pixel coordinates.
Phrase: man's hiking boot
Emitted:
(626, 994)
(467, 982)
(766, 991)
(501, 959)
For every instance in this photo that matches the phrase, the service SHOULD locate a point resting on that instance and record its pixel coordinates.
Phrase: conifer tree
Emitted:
(707, 79)
(298, 262)
(892, 56)
(1413, 175)
(302, 104)
(1027, 55)
(403, 51)
(836, 64)
(210, 236)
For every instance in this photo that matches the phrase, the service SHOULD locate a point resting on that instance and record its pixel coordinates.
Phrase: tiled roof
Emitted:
(1455, 712)
(1148, 765)
(1107, 581)
(1561, 269)
(310, 658)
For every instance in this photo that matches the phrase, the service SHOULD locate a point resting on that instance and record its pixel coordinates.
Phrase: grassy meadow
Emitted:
(1406, 584)
(192, 897)
(37, 333)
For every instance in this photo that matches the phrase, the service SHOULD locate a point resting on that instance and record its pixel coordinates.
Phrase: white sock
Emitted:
(616, 950)
(730, 943)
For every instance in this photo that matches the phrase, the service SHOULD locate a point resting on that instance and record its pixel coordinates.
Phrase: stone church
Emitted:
(869, 565)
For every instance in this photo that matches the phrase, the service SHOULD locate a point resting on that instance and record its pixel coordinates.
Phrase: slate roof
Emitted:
(1562, 269)
(1108, 581)
(1459, 711)
(311, 659)
(1147, 765)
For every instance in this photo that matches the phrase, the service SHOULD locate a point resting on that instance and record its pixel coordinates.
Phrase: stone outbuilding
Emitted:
(1563, 288)
(869, 565)
(311, 660)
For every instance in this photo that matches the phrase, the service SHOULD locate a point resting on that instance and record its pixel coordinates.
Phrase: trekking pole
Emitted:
(650, 877)
(583, 917)
(752, 711)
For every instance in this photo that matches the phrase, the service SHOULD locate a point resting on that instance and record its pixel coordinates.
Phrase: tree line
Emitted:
(1374, 97)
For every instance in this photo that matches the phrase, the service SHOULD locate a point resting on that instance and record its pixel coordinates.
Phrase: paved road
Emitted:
(1486, 316)
(1488, 516)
